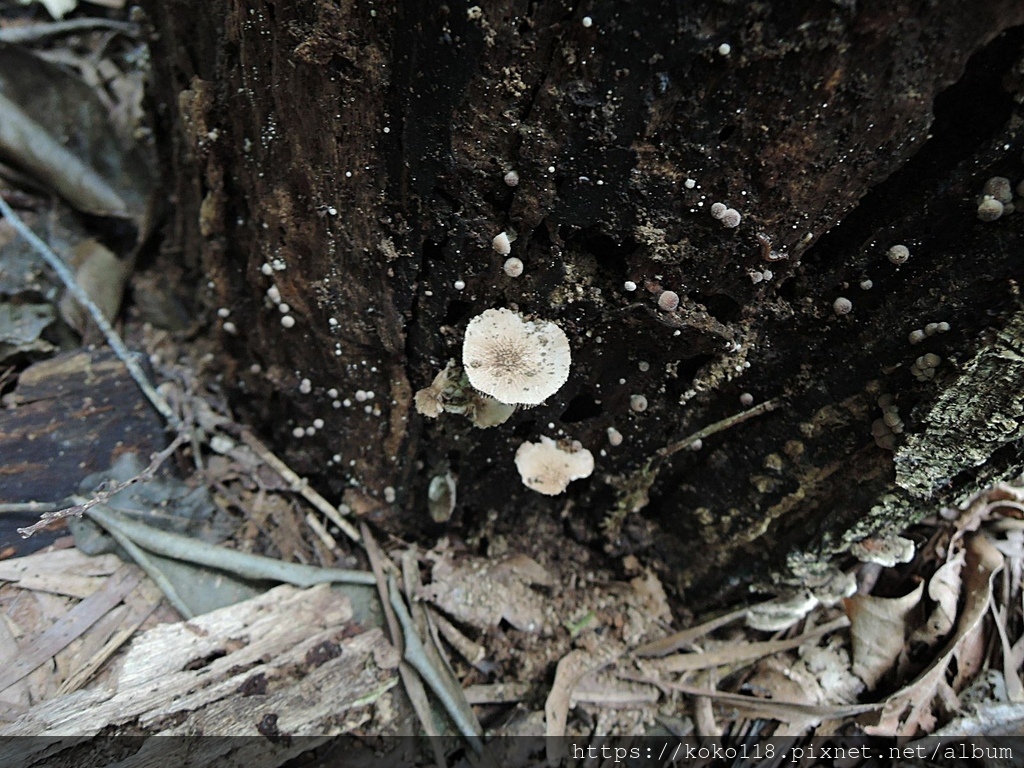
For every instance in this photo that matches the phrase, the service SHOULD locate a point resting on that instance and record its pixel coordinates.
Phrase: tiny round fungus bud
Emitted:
(298, 432)
(697, 444)
(746, 399)
(512, 179)
(513, 267)
(638, 403)
(513, 360)
(990, 209)
(587, 21)
(998, 187)
(548, 468)
(459, 285)
(866, 285)
(931, 360)
(916, 336)
(931, 329)
(502, 244)
(842, 306)
(724, 49)
(230, 328)
(668, 301)
(629, 285)
(614, 437)
(943, 327)
(718, 210)
(898, 254)
(731, 218)
(288, 321)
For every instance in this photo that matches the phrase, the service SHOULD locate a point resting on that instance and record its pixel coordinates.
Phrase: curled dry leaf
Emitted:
(878, 629)
(944, 590)
(102, 275)
(903, 711)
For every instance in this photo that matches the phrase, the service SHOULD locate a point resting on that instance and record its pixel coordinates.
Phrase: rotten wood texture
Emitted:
(70, 416)
(350, 158)
(288, 665)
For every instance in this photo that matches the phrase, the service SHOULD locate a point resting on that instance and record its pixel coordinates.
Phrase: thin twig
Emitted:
(416, 655)
(28, 506)
(298, 484)
(77, 510)
(33, 32)
(719, 426)
(113, 339)
(243, 564)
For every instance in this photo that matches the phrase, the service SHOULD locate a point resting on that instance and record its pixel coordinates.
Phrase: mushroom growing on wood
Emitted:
(516, 361)
(548, 468)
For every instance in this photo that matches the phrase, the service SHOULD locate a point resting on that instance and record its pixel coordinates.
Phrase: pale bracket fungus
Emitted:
(548, 468)
(514, 360)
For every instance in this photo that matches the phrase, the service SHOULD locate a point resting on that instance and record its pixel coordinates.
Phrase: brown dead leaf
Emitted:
(903, 711)
(944, 590)
(102, 275)
(878, 630)
(482, 592)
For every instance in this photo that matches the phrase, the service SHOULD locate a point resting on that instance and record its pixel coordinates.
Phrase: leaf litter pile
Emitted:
(191, 582)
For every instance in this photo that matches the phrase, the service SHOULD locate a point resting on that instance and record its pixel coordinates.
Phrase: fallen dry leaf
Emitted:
(944, 590)
(903, 711)
(878, 630)
(481, 592)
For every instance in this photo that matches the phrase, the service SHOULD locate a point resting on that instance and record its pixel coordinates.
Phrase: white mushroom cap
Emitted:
(516, 361)
(547, 468)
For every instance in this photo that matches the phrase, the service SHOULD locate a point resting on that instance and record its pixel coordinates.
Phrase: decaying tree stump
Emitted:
(348, 160)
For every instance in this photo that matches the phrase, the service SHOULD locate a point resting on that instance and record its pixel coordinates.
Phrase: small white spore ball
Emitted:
(842, 306)
(731, 218)
(502, 244)
(898, 254)
(548, 468)
(513, 267)
(515, 361)
(668, 301)
(989, 209)
(512, 178)
(718, 210)
(998, 187)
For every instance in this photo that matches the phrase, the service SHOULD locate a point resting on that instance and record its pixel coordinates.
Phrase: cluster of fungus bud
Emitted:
(729, 217)
(996, 199)
(885, 429)
(757, 275)
(514, 360)
(842, 306)
(924, 367)
(898, 254)
(920, 334)
(548, 467)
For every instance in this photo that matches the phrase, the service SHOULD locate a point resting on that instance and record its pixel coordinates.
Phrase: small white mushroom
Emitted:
(989, 209)
(512, 179)
(516, 361)
(898, 254)
(513, 267)
(548, 468)
(731, 218)
(718, 210)
(668, 301)
(842, 306)
(502, 244)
